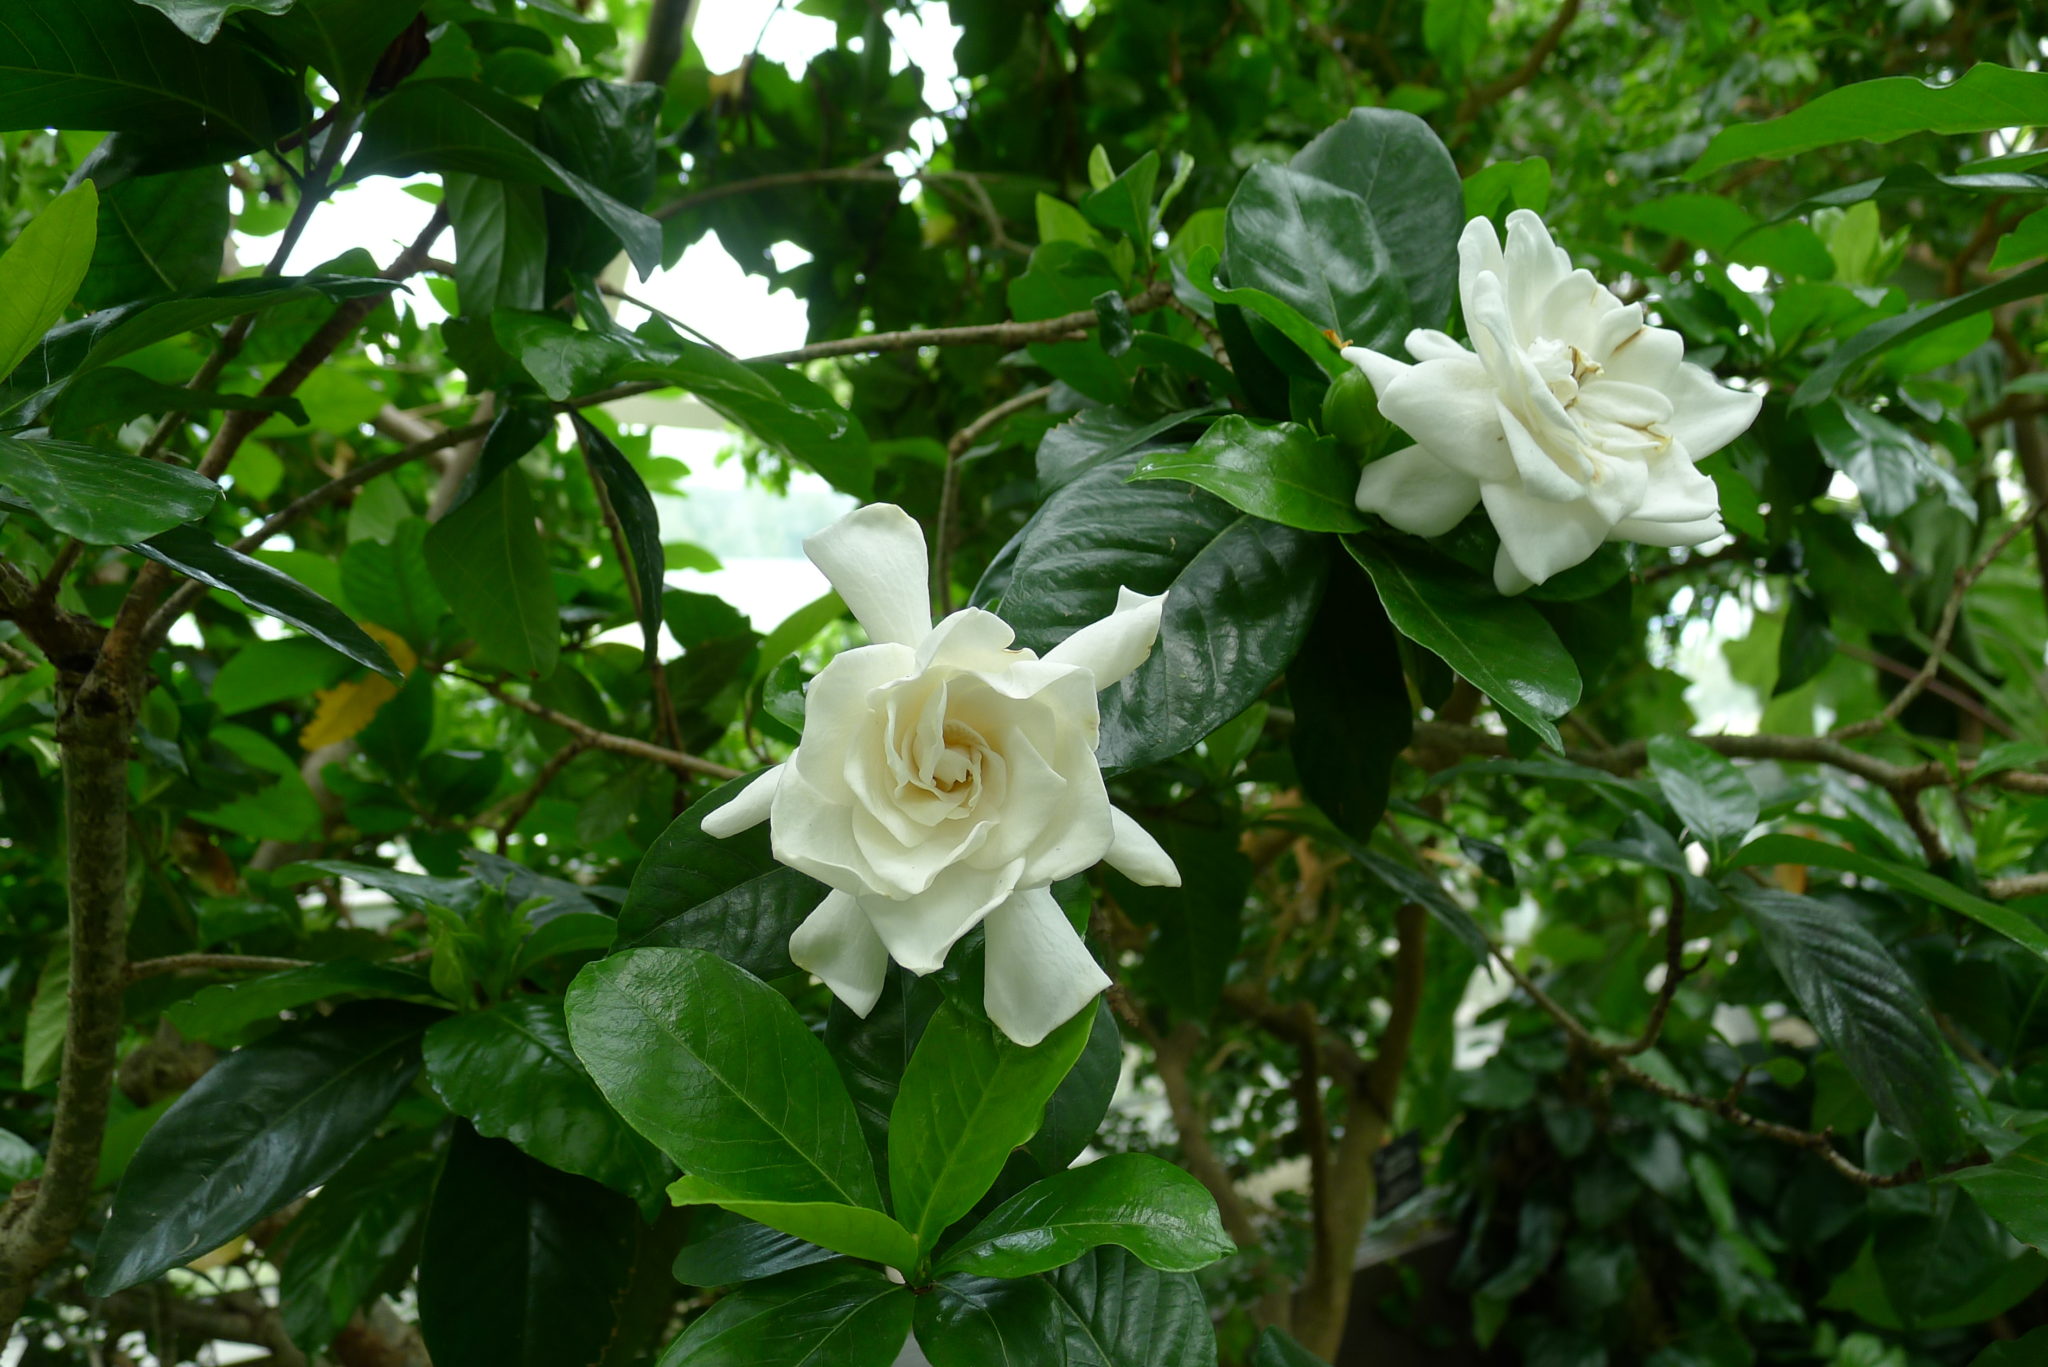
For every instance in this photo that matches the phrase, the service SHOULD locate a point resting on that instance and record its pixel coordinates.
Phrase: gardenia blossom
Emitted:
(945, 780)
(1573, 420)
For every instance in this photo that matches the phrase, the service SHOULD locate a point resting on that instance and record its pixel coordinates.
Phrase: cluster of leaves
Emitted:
(1819, 1136)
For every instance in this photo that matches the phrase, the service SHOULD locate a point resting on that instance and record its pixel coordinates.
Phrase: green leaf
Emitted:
(1078, 1104)
(853, 1230)
(1352, 717)
(1125, 204)
(1277, 1348)
(731, 896)
(2013, 1190)
(2028, 241)
(1412, 886)
(1714, 799)
(1066, 277)
(838, 1315)
(49, 1010)
(1889, 465)
(351, 1240)
(220, 1013)
(1106, 1309)
(501, 236)
(1454, 31)
(1240, 592)
(1132, 1200)
(1315, 246)
(969, 1096)
(1866, 1008)
(102, 497)
(193, 553)
(116, 395)
(114, 65)
(1778, 848)
(343, 40)
(1987, 97)
(1398, 165)
(1523, 184)
(798, 630)
(200, 20)
(41, 270)
(1502, 645)
(1200, 925)
(741, 1251)
(388, 582)
(522, 1265)
(872, 1051)
(264, 1125)
(488, 561)
(1284, 473)
(676, 1040)
(510, 1072)
(1096, 436)
(2023, 1351)
(1281, 314)
(450, 125)
(605, 134)
(1901, 328)
(640, 524)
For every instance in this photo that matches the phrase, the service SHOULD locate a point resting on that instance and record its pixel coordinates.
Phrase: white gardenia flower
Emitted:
(1571, 419)
(946, 780)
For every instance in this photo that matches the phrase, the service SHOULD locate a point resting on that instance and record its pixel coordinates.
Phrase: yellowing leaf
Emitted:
(349, 706)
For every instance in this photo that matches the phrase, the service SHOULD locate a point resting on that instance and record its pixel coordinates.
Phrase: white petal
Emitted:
(814, 834)
(1039, 973)
(837, 944)
(1648, 355)
(748, 808)
(1668, 533)
(1416, 492)
(1117, 644)
(1543, 475)
(1507, 580)
(1450, 406)
(841, 712)
(971, 638)
(875, 557)
(1427, 344)
(1542, 538)
(1077, 834)
(1379, 368)
(1478, 254)
(1708, 415)
(920, 930)
(1137, 856)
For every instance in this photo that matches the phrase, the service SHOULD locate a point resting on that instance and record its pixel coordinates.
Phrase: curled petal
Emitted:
(1416, 492)
(1117, 644)
(1449, 405)
(1137, 856)
(875, 557)
(1708, 414)
(839, 946)
(920, 930)
(1381, 369)
(748, 808)
(1538, 537)
(813, 834)
(1039, 972)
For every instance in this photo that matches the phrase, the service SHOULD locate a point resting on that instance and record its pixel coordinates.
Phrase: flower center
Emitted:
(960, 761)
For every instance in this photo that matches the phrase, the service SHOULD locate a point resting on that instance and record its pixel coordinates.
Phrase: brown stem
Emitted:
(1478, 97)
(37, 1224)
(949, 486)
(2018, 885)
(604, 740)
(516, 808)
(1674, 973)
(211, 963)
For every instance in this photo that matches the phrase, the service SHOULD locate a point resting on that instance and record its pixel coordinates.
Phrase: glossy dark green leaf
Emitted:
(2024, 1351)
(1315, 246)
(1284, 473)
(266, 672)
(1095, 436)
(603, 133)
(778, 405)
(738, 1250)
(500, 243)
(1780, 848)
(1125, 204)
(350, 1241)
(1200, 924)
(343, 40)
(1240, 592)
(264, 1125)
(114, 395)
(1278, 1348)
(1714, 799)
(487, 559)
(969, 1096)
(1412, 886)
(1352, 717)
(117, 65)
(1132, 1200)
(191, 552)
(872, 1051)
(1808, 645)
(836, 1315)
(1398, 165)
(677, 1041)
(1889, 465)
(102, 497)
(855, 1231)
(638, 521)
(2013, 1190)
(1282, 315)
(1866, 1008)
(200, 20)
(510, 1072)
(451, 125)
(695, 891)
(1987, 97)
(1902, 328)
(44, 267)
(388, 582)
(1066, 277)
(1107, 1309)
(1075, 1111)
(1502, 645)
(222, 1011)
(522, 1264)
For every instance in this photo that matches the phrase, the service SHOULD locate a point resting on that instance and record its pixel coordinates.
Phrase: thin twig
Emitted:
(603, 740)
(2017, 885)
(1481, 96)
(949, 485)
(1674, 974)
(1951, 612)
(211, 963)
(515, 809)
